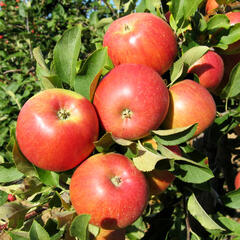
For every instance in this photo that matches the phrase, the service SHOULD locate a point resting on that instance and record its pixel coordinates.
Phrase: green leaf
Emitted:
(218, 21)
(129, 6)
(233, 36)
(44, 75)
(137, 229)
(37, 232)
(55, 201)
(146, 159)
(192, 173)
(232, 89)
(183, 9)
(117, 3)
(180, 67)
(22, 164)
(14, 213)
(79, 227)
(232, 199)
(87, 80)
(94, 230)
(49, 178)
(230, 224)
(175, 136)
(3, 197)
(104, 143)
(65, 54)
(37, 53)
(204, 219)
(103, 22)
(19, 235)
(9, 173)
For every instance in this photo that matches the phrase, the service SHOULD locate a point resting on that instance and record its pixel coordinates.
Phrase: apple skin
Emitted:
(131, 100)
(190, 103)
(141, 38)
(159, 180)
(237, 181)
(52, 143)
(210, 7)
(210, 69)
(109, 188)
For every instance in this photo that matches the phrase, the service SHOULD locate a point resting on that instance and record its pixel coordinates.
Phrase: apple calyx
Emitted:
(126, 113)
(127, 28)
(63, 114)
(116, 181)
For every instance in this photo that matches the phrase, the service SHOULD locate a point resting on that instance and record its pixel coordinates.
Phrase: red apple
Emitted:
(211, 6)
(237, 181)
(141, 38)
(11, 198)
(131, 101)
(190, 103)
(56, 129)
(209, 68)
(2, 4)
(109, 188)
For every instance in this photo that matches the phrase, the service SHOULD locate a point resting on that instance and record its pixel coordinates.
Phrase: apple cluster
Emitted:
(57, 128)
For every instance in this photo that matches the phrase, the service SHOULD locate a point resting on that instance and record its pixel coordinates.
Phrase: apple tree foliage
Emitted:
(46, 44)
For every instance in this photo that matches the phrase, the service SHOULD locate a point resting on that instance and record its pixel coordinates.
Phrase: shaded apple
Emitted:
(209, 68)
(210, 7)
(190, 103)
(237, 181)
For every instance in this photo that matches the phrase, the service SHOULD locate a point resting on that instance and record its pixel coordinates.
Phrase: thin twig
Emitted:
(29, 42)
(188, 237)
(110, 8)
(12, 71)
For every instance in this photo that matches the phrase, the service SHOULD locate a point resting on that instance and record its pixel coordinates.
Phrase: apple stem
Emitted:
(63, 114)
(127, 113)
(116, 181)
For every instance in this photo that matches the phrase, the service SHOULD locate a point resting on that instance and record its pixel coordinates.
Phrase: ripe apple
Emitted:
(159, 180)
(131, 101)
(237, 181)
(209, 68)
(109, 188)
(210, 7)
(190, 103)
(56, 129)
(141, 38)
(11, 198)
